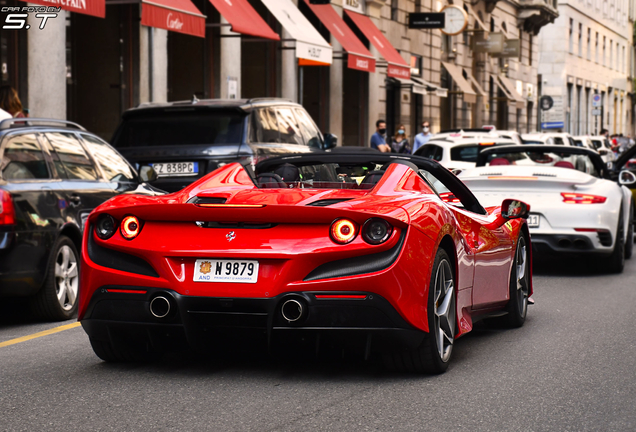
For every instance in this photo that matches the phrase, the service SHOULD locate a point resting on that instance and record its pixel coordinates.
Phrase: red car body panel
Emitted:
(299, 243)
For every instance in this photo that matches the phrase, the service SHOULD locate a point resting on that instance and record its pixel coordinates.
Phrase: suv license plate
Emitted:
(215, 270)
(176, 169)
(533, 221)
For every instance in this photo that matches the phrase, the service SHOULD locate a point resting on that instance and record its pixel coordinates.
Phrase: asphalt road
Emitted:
(572, 367)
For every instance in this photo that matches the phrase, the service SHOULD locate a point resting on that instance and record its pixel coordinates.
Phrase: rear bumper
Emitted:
(211, 323)
(567, 243)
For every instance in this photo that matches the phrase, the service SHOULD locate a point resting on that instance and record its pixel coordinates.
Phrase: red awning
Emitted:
(175, 15)
(87, 7)
(359, 56)
(397, 66)
(244, 18)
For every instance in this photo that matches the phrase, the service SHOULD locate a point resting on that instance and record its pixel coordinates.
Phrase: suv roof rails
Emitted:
(257, 99)
(25, 121)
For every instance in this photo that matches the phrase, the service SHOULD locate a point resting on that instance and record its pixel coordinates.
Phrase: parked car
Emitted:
(603, 147)
(184, 141)
(572, 211)
(476, 132)
(458, 153)
(52, 175)
(349, 249)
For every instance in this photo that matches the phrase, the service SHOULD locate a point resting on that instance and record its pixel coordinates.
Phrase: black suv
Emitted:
(183, 141)
(52, 175)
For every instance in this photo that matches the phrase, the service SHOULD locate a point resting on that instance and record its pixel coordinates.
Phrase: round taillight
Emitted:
(130, 227)
(376, 231)
(343, 231)
(105, 226)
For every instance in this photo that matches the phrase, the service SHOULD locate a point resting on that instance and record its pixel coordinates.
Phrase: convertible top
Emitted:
(598, 163)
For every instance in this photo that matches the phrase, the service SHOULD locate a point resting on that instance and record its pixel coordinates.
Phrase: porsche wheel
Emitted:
(106, 351)
(435, 352)
(517, 307)
(629, 244)
(57, 299)
(616, 261)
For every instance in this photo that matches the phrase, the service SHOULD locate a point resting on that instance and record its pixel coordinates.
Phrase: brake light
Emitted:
(343, 231)
(575, 198)
(7, 211)
(130, 227)
(449, 197)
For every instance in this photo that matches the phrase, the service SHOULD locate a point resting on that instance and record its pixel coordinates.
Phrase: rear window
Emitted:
(181, 128)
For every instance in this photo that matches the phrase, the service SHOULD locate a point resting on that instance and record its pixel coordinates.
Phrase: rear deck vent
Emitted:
(543, 175)
(206, 200)
(328, 202)
(490, 174)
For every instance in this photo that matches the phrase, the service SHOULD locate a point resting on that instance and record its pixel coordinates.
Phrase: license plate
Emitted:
(215, 270)
(533, 221)
(176, 169)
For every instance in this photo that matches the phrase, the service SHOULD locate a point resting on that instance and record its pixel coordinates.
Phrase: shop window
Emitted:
(394, 10)
(416, 65)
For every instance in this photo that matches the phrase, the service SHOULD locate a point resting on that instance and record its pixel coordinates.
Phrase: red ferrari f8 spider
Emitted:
(387, 254)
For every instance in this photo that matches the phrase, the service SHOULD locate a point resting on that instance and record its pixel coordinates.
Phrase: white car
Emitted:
(458, 154)
(475, 133)
(556, 138)
(603, 147)
(571, 212)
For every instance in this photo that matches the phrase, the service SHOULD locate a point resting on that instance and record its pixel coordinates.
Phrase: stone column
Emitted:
(289, 68)
(230, 67)
(377, 91)
(46, 73)
(153, 63)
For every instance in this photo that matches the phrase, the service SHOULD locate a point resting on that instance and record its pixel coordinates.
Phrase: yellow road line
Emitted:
(39, 334)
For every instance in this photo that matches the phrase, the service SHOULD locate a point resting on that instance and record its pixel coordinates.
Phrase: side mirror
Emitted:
(514, 209)
(331, 141)
(147, 174)
(626, 178)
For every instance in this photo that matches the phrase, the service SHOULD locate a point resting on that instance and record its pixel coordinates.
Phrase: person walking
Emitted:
(422, 137)
(378, 141)
(400, 142)
(10, 102)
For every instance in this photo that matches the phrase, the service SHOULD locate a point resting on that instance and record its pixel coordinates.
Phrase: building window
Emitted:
(416, 65)
(589, 43)
(611, 56)
(604, 50)
(394, 10)
(530, 37)
(596, 49)
(571, 38)
(580, 40)
(624, 62)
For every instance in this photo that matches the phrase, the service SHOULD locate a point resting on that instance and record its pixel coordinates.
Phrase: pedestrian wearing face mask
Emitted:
(378, 141)
(400, 142)
(422, 137)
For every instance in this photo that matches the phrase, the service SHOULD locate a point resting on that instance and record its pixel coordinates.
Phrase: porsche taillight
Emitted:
(7, 211)
(577, 198)
(343, 231)
(130, 227)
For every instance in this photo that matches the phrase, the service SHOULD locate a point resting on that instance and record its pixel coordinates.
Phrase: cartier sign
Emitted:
(354, 5)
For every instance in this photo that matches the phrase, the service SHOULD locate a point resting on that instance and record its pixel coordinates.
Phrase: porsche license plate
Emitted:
(533, 221)
(215, 270)
(176, 169)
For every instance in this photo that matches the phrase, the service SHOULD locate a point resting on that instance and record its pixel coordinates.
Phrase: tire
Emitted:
(616, 261)
(629, 244)
(57, 299)
(106, 351)
(434, 354)
(517, 307)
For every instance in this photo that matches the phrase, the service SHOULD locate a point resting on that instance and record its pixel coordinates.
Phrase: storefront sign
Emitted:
(488, 43)
(397, 71)
(427, 20)
(511, 48)
(354, 5)
(360, 63)
(313, 52)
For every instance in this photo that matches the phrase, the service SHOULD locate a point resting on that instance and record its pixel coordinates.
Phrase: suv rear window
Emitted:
(181, 128)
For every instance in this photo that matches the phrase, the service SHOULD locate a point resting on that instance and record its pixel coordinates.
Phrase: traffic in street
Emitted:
(570, 368)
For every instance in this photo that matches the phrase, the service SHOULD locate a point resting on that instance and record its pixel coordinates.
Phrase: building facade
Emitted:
(350, 64)
(589, 72)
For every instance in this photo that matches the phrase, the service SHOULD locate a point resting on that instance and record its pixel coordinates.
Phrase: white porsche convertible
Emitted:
(571, 212)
